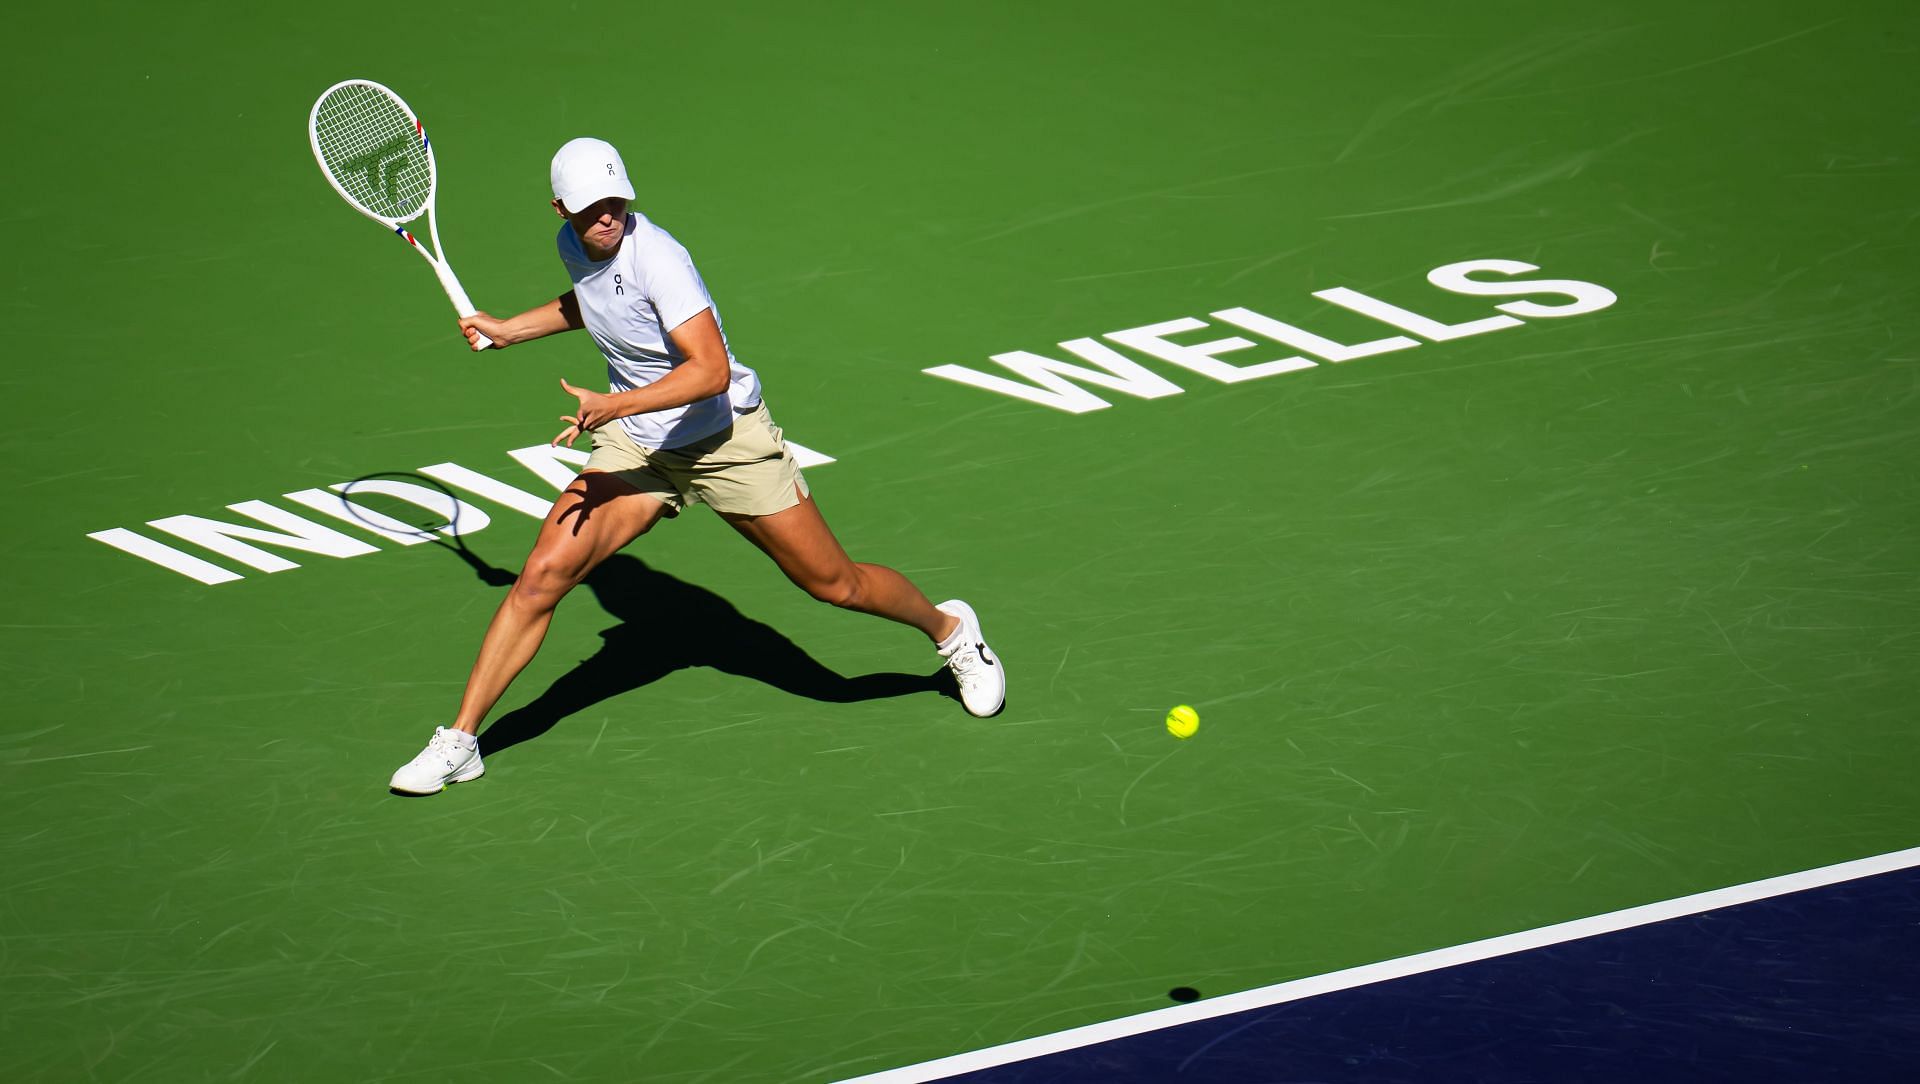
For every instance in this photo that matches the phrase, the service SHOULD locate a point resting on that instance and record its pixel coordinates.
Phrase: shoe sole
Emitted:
(463, 777)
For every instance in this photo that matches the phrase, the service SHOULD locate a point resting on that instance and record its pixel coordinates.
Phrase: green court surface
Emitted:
(1584, 612)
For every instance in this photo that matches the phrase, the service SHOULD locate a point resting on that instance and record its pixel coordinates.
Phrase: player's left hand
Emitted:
(595, 410)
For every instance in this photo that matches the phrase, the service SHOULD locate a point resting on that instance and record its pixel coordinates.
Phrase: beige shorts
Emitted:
(744, 469)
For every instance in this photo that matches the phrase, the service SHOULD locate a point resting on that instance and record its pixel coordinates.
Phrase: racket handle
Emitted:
(461, 304)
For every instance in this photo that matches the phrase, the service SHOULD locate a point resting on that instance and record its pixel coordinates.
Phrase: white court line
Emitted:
(1504, 945)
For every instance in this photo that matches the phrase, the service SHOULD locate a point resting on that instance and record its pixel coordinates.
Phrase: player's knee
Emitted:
(545, 581)
(842, 591)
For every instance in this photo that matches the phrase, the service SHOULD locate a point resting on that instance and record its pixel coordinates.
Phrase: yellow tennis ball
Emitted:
(1182, 722)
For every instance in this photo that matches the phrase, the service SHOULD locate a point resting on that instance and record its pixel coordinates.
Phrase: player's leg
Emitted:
(800, 542)
(596, 516)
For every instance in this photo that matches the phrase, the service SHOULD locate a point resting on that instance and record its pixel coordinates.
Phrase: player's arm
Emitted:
(560, 314)
(703, 375)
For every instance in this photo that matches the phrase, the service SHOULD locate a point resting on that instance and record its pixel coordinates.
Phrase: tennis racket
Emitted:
(375, 153)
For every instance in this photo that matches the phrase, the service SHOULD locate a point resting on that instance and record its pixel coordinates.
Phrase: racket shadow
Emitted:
(444, 530)
(706, 630)
(489, 575)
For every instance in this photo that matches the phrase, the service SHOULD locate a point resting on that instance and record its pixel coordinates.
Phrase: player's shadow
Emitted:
(668, 625)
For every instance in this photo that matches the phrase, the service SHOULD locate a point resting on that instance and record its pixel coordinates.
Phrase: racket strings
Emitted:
(372, 149)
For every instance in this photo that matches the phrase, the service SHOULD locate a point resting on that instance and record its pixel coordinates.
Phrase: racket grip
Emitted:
(461, 304)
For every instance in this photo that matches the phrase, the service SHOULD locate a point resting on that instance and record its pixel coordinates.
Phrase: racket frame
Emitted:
(437, 259)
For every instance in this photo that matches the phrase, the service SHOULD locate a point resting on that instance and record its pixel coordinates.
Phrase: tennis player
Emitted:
(683, 423)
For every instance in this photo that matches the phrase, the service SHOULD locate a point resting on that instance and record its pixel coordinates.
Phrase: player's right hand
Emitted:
(479, 324)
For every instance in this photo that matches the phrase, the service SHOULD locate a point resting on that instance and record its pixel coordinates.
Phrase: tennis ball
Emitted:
(1182, 722)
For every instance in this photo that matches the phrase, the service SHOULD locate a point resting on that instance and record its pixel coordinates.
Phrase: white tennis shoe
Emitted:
(976, 669)
(450, 757)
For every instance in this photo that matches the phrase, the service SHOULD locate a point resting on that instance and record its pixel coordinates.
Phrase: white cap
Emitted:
(586, 171)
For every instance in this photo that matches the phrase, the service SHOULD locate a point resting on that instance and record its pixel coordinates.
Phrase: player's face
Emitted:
(598, 225)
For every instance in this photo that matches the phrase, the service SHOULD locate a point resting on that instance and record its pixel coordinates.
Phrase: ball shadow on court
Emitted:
(668, 624)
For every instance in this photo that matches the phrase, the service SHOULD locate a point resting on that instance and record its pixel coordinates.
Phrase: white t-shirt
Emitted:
(630, 303)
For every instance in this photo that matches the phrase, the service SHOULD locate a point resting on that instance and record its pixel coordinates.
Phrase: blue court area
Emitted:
(1814, 985)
